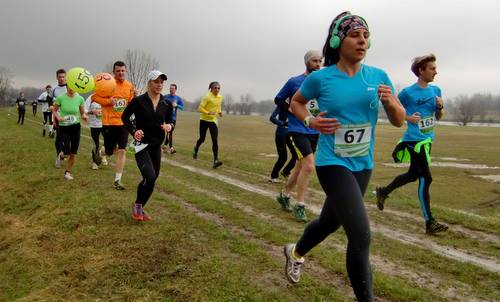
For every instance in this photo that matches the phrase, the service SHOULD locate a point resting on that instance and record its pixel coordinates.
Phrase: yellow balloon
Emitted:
(80, 80)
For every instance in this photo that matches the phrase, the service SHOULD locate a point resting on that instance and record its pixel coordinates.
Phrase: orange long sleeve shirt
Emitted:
(113, 107)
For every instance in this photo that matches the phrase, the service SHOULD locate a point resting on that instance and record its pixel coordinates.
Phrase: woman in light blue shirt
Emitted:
(348, 95)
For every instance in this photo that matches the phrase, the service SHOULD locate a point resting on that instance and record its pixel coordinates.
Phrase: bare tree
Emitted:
(228, 103)
(5, 84)
(464, 109)
(139, 64)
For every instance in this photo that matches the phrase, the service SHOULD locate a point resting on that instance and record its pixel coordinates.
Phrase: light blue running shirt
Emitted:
(422, 100)
(354, 102)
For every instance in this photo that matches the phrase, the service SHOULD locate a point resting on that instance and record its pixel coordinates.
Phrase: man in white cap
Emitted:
(114, 133)
(304, 139)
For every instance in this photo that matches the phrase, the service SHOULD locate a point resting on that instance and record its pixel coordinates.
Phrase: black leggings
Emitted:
(47, 117)
(34, 110)
(212, 126)
(94, 133)
(169, 138)
(20, 118)
(344, 207)
(282, 141)
(148, 162)
(419, 169)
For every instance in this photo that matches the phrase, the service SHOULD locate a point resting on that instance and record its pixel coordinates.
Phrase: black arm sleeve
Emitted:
(169, 113)
(129, 110)
(283, 104)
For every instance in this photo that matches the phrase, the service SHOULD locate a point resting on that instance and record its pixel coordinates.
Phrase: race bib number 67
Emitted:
(353, 140)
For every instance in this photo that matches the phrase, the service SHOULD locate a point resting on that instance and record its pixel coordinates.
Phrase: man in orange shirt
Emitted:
(114, 132)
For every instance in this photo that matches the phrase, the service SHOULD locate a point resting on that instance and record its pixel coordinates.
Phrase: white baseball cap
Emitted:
(154, 74)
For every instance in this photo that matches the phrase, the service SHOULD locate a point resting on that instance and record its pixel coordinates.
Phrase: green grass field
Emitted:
(217, 235)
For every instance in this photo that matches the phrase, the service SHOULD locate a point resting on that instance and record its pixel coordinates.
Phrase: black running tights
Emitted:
(344, 207)
(148, 162)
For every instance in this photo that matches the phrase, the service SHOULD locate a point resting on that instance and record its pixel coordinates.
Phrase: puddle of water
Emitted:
(492, 178)
(453, 159)
(268, 155)
(448, 165)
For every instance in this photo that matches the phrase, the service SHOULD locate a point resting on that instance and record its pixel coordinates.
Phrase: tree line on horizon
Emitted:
(463, 109)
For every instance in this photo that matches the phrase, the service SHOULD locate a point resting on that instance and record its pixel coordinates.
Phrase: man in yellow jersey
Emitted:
(114, 133)
(210, 107)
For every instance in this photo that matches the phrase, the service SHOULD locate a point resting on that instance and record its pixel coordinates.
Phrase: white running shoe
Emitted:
(58, 160)
(273, 180)
(68, 176)
(104, 161)
(292, 266)
(95, 166)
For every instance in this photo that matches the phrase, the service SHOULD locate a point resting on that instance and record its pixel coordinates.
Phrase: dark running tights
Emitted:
(148, 162)
(212, 126)
(419, 169)
(20, 118)
(282, 141)
(169, 138)
(344, 207)
(95, 132)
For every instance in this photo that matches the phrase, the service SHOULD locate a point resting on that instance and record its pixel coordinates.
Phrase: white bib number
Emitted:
(426, 124)
(69, 119)
(353, 140)
(119, 105)
(136, 147)
(312, 107)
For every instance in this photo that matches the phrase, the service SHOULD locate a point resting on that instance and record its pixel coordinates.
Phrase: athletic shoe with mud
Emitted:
(102, 155)
(58, 162)
(381, 197)
(172, 150)
(299, 212)
(51, 134)
(96, 158)
(435, 227)
(293, 265)
(137, 212)
(145, 217)
(217, 163)
(68, 176)
(165, 149)
(273, 180)
(118, 185)
(95, 166)
(284, 201)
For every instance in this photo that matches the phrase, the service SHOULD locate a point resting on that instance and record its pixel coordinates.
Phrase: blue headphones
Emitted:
(335, 39)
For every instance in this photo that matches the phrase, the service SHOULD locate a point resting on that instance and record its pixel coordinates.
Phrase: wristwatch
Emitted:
(307, 120)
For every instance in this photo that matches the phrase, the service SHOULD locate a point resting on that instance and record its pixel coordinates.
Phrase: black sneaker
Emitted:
(435, 227)
(43, 133)
(195, 154)
(118, 185)
(217, 163)
(381, 197)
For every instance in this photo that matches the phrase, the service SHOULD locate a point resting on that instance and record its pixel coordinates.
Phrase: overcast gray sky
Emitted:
(248, 46)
